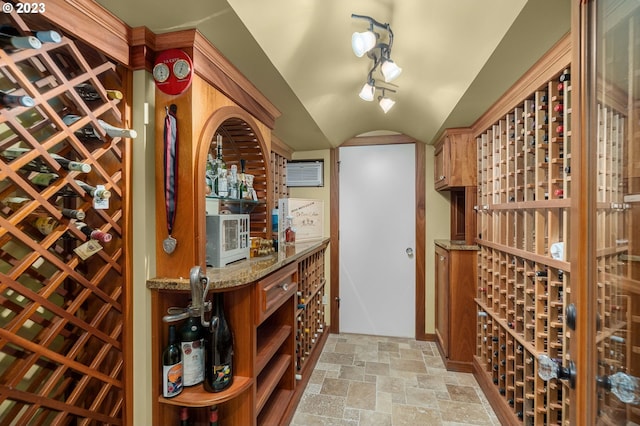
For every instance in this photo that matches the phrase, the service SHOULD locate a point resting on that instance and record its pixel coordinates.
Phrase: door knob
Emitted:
(409, 251)
(551, 369)
(625, 387)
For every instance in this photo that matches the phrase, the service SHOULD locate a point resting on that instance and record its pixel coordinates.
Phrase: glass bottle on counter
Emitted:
(290, 231)
(221, 187)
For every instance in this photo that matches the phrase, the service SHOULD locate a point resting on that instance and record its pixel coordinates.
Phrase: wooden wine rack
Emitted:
(524, 188)
(62, 328)
(310, 314)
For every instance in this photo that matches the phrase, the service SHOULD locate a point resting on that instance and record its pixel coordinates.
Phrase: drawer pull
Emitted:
(284, 286)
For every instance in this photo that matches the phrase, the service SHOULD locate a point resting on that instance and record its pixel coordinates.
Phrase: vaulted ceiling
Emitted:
(457, 57)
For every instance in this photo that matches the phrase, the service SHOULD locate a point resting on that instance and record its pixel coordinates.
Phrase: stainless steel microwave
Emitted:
(228, 239)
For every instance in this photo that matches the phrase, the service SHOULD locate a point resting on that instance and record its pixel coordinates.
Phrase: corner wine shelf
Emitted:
(196, 396)
(63, 322)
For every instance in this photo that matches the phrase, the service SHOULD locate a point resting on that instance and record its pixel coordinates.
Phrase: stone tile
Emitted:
(384, 402)
(411, 354)
(313, 388)
(408, 415)
(422, 398)
(374, 418)
(370, 378)
(351, 372)
(322, 405)
(388, 347)
(317, 376)
(377, 368)
(454, 411)
(467, 379)
(345, 348)
(408, 365)
(352, 414)
(361, 395)
(390, 384)
(335, 358)
(336, 387)
(463, 394)
(305, 419)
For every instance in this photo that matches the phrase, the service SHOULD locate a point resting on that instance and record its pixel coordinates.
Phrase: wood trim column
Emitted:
(420, 249)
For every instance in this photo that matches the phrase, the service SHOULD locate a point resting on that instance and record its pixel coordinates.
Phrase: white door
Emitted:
(377, 239)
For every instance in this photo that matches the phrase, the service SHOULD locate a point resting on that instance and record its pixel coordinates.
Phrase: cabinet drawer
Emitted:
(274, 289)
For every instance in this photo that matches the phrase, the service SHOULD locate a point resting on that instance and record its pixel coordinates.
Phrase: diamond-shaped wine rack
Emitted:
(61, 316)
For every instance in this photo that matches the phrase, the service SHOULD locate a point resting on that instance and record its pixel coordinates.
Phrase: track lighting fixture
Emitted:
(368, 42)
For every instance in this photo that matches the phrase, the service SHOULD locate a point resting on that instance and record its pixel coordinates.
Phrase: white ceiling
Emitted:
(457, 56)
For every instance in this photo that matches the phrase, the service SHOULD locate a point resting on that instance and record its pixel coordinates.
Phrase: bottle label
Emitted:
(193, 362)
(171, 380)
(46, 225)
(221, 376)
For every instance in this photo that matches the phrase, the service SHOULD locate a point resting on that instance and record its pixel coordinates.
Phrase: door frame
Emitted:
(420, 227)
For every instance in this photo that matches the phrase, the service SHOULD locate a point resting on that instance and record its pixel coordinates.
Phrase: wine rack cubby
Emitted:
(524, 189)
(310, 313)
(63, 293)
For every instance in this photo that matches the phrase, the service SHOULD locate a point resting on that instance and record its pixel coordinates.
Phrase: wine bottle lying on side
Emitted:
(112, 131)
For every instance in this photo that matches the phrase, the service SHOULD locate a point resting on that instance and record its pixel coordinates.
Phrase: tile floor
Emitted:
(371, 381)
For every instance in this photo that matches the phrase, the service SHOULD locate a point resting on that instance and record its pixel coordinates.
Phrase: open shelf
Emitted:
(269, 341)
(268, 380)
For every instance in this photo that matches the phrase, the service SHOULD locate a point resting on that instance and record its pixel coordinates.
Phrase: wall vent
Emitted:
(305, 173)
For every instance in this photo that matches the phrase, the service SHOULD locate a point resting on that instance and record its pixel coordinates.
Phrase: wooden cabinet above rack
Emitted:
(454, 159)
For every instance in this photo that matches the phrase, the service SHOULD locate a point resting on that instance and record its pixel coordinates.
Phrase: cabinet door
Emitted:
(613, 151)
(442, 299)
(441, 162)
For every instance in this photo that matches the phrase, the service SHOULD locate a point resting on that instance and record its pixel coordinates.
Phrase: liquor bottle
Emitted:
(172, 366)
(93, 191)
(290, 231)
(10, 100)
(222, 189)
(218, 362)
(89, 93)
(94, 234)
(11, 40)
(213, 415)
(242, 182)
(233, 182)
(88, 132)
(192, 346)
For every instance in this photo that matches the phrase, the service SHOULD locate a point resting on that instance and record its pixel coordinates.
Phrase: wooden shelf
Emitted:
(269, 341)
(196, 396)
(272, 412)
(269, 379)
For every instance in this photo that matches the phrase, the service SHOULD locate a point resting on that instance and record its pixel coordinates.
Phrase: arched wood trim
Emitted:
(211, 125)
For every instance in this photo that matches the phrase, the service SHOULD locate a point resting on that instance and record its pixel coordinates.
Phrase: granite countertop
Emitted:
(456, 245)
(243, 272)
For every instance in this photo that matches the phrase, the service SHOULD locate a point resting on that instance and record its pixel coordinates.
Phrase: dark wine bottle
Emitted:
(213, 415)
(10, 100)
(218, 362)
(11, 40)
(94, 234)
(192, 346)
(184, 416)
(89, 93)
(172, 366)
(93, 191)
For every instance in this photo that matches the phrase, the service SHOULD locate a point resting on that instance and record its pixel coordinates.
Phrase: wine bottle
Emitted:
(39, 166)
(213, 415)
(89, 93)
(172, 366)
(222, 189)
(184, 416)
(89, 132)
(48, 36)
(94, 234)
(10, 100)
(93, 191)
(242, 184)
(218, 350)
(44, 179)
(192, 346)
(14, 203)
(10, 39)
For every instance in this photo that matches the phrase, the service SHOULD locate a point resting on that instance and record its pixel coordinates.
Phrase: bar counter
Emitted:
(243, 272)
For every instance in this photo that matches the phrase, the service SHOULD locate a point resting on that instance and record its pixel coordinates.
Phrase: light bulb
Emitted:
(363, 42)
(367, 92)
(390, 70)
(386, 104)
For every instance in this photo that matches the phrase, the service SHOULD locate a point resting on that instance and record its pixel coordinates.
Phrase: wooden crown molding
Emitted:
(281, 148)
(379, 140)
